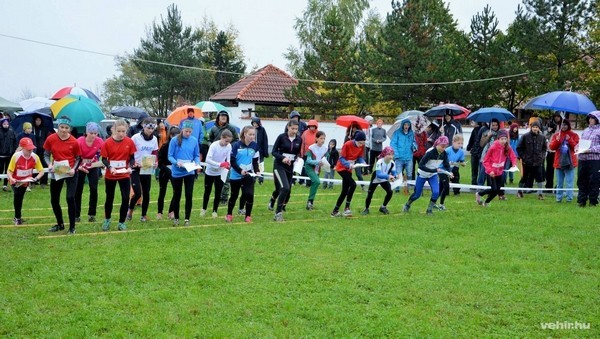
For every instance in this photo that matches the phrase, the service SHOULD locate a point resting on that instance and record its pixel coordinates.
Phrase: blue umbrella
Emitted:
(486, 114)
(129, 112)
(43, 113)
(562, 101)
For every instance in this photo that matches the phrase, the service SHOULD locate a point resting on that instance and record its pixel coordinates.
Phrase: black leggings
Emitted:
(496, 188)
(444, 187)
(164, 176)
(388, 192)
(348, 187)
(209, 181)
(92, 177)
(4, 161)
(283, 188)
(55, 190)
(246, 184)
(110, 186)
(178, 183)
(19, 195)
(141, 184)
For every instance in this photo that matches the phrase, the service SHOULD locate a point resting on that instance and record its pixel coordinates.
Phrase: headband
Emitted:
(62, 121)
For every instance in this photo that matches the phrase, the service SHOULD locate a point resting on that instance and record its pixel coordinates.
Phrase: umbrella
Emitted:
(408, 114)
(9, 106)
(80, 109)
(43, 113)
(562, 101)
(457, 111)
(180, 113)
(73, 90)
(486, 114)
(35, 103)
(347, 120)
(129, 112)
(211, 106)
(419, 124)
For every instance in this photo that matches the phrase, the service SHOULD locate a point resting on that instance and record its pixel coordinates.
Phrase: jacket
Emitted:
(262, 139)
(592, 133)
(556, 142)
(495, 158)
(532, 149)
(8, 142)
(403, 144)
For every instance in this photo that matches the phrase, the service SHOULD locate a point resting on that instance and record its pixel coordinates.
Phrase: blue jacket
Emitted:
(403, 144)
(189, 150)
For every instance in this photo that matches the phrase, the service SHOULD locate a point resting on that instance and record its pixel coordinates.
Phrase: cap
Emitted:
(27, 144)
(443, 140)
(502, 134)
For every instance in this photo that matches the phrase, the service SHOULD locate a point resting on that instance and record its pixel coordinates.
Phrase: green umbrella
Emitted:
(79, 109)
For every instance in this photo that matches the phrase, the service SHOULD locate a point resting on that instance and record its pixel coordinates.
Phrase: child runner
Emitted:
(20, 170)
(314, 155)
(429, 167)
(164, 174)
(183, 149)
(146, 145)
(217, 159)
(245, 156)
(64, 150)
(118, 158)
(385, 171)
(286, 150)
(90, 145)
(456, 157)
(352, 154)
(493, 161)
(332, 157)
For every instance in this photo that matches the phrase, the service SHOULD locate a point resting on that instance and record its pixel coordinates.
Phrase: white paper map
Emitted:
(583, 146)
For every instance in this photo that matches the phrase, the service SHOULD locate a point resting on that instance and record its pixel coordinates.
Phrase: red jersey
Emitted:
(22, 167)
(89, 154)
(62, 149)
(118, 154)
(350, 152)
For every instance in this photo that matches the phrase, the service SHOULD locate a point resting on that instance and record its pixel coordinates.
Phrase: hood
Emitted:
(219, 114)
(511, 134)
(404, 122)
(593, 115)
(256, 120)
(313, 122)
(334, 142)
(294, 114)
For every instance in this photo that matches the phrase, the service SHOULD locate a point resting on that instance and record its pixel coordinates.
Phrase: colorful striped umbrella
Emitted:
(79, 109)
(74, 90)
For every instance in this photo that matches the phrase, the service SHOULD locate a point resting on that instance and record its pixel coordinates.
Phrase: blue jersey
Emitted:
(455, 155)
(188, 151)
(242, 158)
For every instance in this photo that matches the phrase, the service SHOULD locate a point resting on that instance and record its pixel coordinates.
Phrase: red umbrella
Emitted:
(347, 120)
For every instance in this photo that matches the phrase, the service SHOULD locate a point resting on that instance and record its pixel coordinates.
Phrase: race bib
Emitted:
(118, 164)
(24, 173)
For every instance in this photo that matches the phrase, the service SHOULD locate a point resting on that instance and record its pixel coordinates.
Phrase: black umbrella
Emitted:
(43, 113)
(129, 112)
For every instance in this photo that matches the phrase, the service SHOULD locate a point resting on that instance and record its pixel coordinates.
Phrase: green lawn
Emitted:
(469, 271)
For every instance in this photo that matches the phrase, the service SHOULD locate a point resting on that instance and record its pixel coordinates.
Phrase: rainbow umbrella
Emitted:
(79, 109)
(74, 90)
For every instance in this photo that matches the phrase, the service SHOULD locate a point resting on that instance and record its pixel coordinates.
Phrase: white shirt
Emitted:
(143, 147)
(215, 156)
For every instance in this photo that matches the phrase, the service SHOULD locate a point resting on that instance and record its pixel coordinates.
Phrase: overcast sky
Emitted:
(116, 27)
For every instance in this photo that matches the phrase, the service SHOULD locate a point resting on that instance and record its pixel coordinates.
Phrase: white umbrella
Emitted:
(36, 103)
(419, 124)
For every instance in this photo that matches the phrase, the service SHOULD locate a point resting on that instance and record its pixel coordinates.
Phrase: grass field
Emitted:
(469, 271)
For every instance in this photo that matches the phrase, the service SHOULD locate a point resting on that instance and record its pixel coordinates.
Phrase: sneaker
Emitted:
(159, 216)
(28, 189)
(122, 226)
(242, 211)
(519, 195)
(214, 214)
(478, 198)
(143, 218)
(486, 204)
(91, 218)
(429, 210)
(129, 215)
(175, 222)
(229, 218)
(71, 230)
(78, 219)
(56, 228)
(384, 210)
(278, 217)
(248, 219)
(270, 207)
(365, 212)
(540, 197)
(171, 215)
(186, 222)
(502, 197)
(5, 189)
(309, 205)
(106, 225)
(347, 213)
(406, 208)
(441, 207)
(18, 221)
(202, 212)
(336, 214)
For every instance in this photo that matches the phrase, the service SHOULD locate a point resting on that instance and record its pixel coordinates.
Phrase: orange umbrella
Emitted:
(180, 113)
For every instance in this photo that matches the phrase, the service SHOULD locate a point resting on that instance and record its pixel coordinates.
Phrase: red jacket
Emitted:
(495, 158)
(557, 140)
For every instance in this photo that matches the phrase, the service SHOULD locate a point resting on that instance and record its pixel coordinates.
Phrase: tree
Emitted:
(225, 56)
